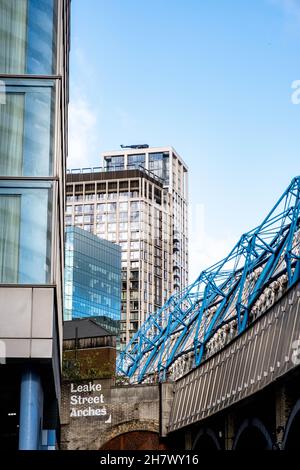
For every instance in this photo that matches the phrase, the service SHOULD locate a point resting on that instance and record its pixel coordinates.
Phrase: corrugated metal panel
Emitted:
(259, 356)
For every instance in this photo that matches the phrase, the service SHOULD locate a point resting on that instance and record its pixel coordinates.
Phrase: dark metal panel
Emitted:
(262, 354)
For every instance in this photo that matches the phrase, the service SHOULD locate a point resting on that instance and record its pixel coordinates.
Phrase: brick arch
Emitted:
(124, 428)
(255, 424)
(206, 436)
(293, 419)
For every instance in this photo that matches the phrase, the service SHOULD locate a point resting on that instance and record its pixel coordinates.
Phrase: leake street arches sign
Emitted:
(88, 400)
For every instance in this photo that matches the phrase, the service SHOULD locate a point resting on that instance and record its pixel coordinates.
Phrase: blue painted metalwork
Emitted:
(228, 293)
(30, 411)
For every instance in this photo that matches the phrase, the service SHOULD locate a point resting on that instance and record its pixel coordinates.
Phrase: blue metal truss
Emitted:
(222, 294)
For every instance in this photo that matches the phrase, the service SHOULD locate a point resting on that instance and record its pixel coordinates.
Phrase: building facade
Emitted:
(92, 279)
(138, 199)
(34, 64)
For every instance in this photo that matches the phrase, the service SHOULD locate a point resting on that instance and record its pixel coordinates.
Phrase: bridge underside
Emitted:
(261, 355)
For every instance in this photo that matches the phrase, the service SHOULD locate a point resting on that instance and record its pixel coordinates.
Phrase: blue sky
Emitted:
(213, 79)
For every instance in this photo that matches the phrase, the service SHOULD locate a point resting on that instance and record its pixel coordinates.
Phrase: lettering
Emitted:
(87, 395)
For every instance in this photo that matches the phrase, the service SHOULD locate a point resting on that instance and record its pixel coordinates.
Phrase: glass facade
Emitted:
(26, 127)
(25, 232)
(116, 163)
(159, 165)
(28, 36)
(135, 161)
(92, 279)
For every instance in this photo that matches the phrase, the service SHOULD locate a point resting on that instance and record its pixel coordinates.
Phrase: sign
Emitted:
(88, 400)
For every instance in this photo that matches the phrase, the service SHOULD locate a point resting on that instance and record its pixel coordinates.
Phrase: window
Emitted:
(88, 208)
(78, 219)
(134, 235)
(135, 206)
(101, 208)
(123, 226)
(114, 163)
(134, 245)
(159, 165)
(123, 206)
(135, 161)
(28, 27)
(134, 264)
(111, 217)
(25, 232)
(78, 209)
(134, 255)
(100, 228)
(123, 236)
(112, 227)
(135, 216)
(123, 216)
(111, 237)
(111, 207)
(26, 128)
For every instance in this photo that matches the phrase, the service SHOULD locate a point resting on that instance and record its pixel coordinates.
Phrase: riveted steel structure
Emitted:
(223, 301)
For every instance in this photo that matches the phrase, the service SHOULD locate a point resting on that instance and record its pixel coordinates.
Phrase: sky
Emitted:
(212, 78)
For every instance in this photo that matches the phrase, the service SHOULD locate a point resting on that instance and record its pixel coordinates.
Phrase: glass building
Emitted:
(34, 64)
(92, 279)
(139, 200)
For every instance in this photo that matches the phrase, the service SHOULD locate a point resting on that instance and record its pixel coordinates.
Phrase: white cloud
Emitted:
(84, 114)
(84, 140)
(205, 249)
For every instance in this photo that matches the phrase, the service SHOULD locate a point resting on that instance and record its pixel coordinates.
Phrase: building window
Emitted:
(26, 129)
(112, 207)
(123, 226)
(135, 206)
(78, 209)
(101, 228)
(123, 236)
(135, 161)
(111, 217)
(159, 165)
(134, 245)
(123, 206)
(78, 219)
(88, 208)
(101, 208)
(123, 216)
(29, 29)
(135, 216)
(112, 227)
(25, 232)
(114, 163)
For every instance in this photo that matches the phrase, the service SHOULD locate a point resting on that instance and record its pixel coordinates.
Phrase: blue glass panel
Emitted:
(35, 229)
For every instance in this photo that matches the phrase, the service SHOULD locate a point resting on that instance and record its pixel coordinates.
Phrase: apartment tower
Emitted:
(137, 199)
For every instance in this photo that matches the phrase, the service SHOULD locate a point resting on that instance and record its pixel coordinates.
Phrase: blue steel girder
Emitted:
(231, 287)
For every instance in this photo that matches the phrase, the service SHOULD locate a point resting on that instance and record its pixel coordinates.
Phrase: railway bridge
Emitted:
(228, 346)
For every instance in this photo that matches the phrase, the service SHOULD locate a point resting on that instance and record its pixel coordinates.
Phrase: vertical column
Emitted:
(31, 403)
(229, 431)
(282, 409)
(188, 441)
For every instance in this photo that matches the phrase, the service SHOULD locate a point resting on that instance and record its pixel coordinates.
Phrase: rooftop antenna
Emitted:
(138, 146)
